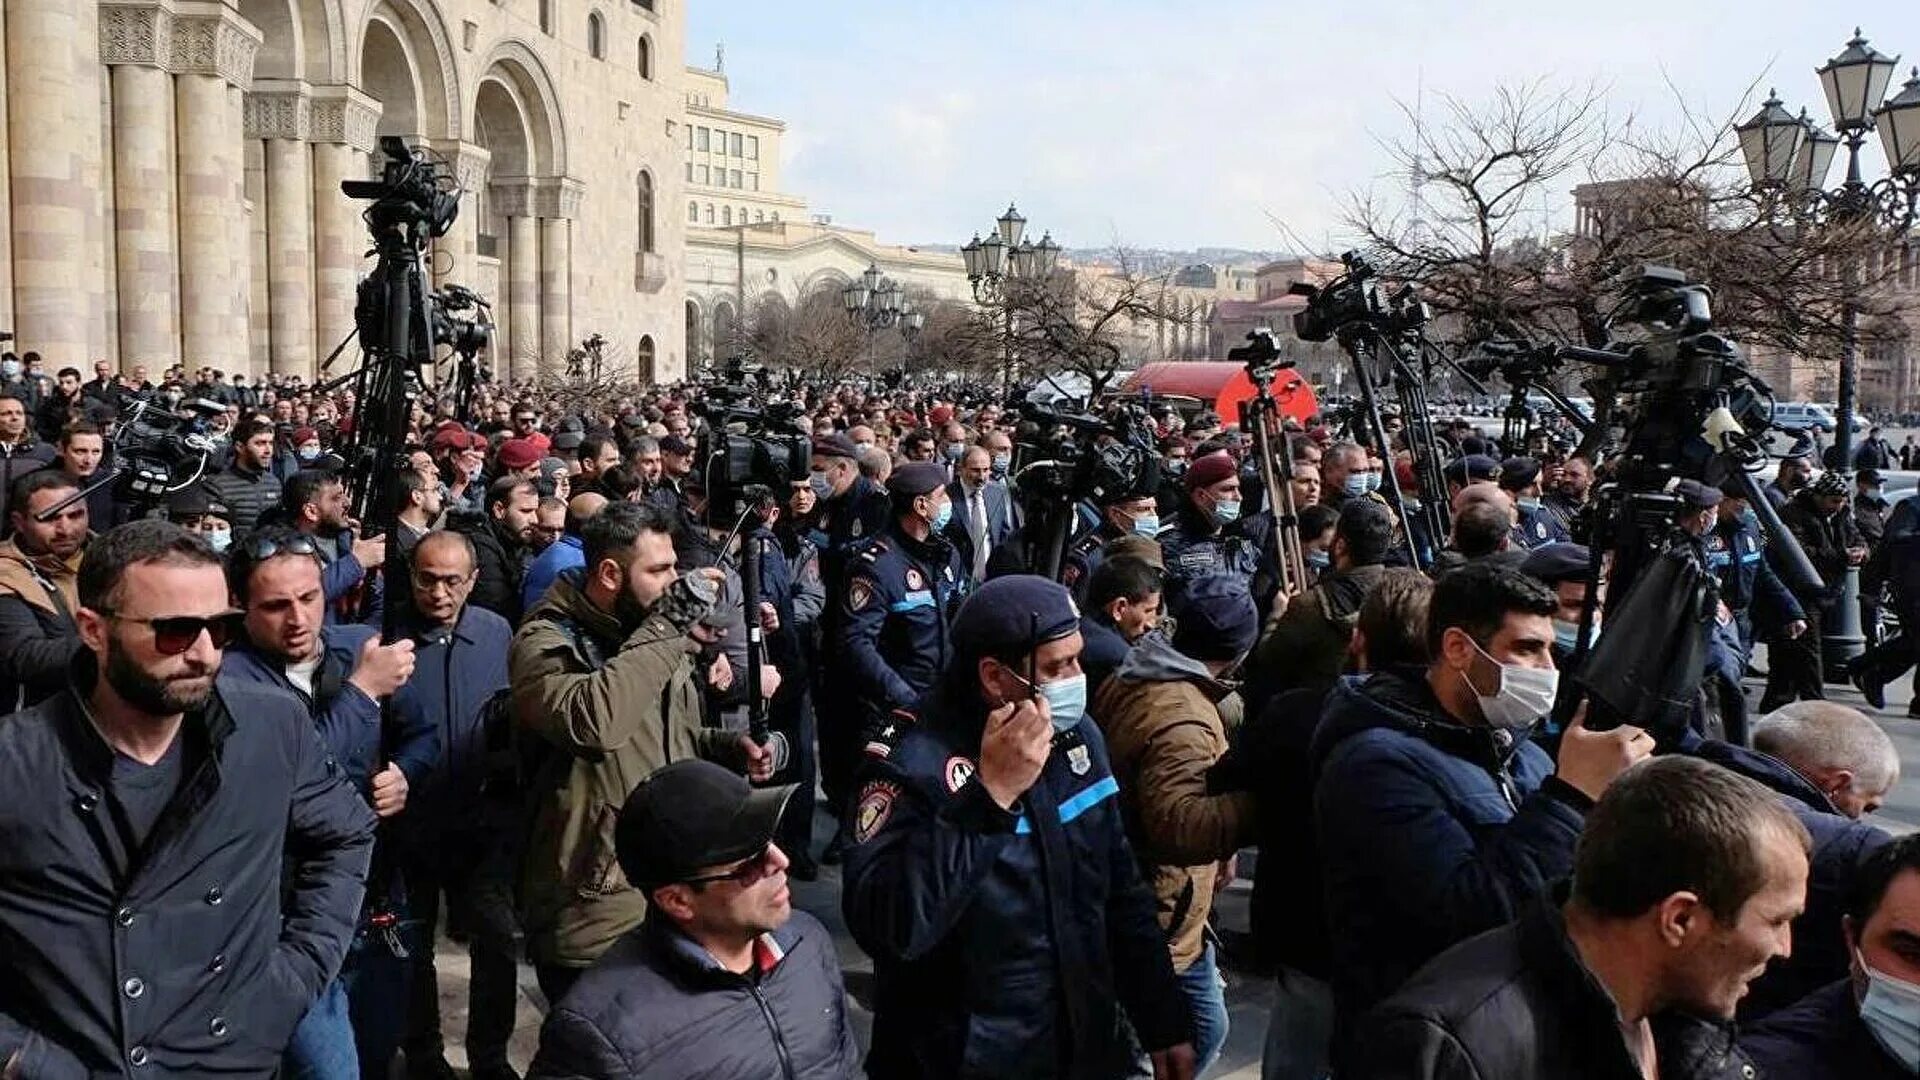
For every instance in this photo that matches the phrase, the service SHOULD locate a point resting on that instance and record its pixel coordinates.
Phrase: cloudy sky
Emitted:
(1182, 125)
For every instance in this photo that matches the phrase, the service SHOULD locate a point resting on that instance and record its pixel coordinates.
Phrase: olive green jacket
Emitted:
(611, 725)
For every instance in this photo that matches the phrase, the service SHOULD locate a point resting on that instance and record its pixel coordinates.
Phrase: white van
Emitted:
(1801, 416)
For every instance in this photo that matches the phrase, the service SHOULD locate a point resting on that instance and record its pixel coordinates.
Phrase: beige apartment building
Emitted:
(170, 173)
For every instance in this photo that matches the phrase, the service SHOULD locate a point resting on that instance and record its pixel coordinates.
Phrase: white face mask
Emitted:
(1524, 696)
(1891, 1011)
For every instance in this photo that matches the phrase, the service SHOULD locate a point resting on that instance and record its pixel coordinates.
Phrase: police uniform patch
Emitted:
(859, 594)
(1078, 760)
(959, 770)
(873, 810)
(857, 528)
(914, 581)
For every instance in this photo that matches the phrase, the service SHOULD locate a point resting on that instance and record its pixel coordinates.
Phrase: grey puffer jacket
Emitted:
(657, 1005)
(248, 494)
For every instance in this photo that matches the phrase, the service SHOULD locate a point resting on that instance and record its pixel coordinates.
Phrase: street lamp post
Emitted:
(1788, 159)
(876, 302)
(1001, 263)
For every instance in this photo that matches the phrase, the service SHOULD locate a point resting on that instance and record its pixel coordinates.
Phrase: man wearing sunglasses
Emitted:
(722, 951)
(149, 812)
(339, 672)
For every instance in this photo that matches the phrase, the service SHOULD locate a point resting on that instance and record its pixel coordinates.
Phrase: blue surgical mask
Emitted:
(1000, 463)
(955, 451)
(822, 487)
(308, 453)
(1227, 511)
(1750, 519)
(1891, 1011)
(219, 539)
(1528, 504)
(1373, 482)
(1567, 635)
(9, 368)
(1319, 560)
(1356, 485)
(1066, 700)
(943, 515)
(1147, 525)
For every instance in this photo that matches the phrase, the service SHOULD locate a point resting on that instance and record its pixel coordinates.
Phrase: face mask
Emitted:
(1525, 695)
(942, 516)
(822, 487)
(308, 453)
(1567, 634)
(864, 445)
(955, 451)
(1750, 519)
(9, 368)
(1527, 504)
(1175, 466)
(1000, 463)
(1067, 700)
(1225, 512)
(1373, 482)
(1891, 1011)
(1319, 560)
(220, 539)
(1147, 525)
(1874, 491)
(1356, 484)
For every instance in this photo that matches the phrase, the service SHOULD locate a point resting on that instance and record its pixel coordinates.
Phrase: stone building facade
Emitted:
(170, 173)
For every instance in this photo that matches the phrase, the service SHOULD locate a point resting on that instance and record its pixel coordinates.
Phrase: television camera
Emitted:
(1062, 458)
(156, 452)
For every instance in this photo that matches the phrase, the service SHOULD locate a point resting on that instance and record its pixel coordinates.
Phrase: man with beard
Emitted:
(602, 676)
(314, 502)
(503, 541)
(149, 813)
(38, 568)
(248, 486)
(339, 672)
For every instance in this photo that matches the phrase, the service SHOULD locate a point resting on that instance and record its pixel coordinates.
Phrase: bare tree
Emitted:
(815, 335)
(957, 337)
(1074, 321)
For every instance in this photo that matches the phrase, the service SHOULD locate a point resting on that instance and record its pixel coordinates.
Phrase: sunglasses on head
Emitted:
(175, 634)
(262, 548)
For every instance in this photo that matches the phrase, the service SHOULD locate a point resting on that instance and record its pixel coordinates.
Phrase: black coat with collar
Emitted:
(1517, 1003)
(194, 964)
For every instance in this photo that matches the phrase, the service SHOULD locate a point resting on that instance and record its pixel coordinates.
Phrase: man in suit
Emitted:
(982, 511)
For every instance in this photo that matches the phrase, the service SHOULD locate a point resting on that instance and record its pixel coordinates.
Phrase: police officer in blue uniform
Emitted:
(988, 872)
(1204, 541)
(890, 637)
(1533, 525)
(1129, 512)
(1737, 555)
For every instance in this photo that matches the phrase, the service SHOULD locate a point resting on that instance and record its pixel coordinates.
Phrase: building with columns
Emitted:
(170, 173)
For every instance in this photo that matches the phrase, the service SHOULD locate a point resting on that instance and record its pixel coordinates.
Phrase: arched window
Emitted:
(644, 354)
(743, 215)
(726, 215)
(596, 36)
(709, 213)
(759, 216)
(693, 212)
(546, 16)
(644, 200)
(646, 57)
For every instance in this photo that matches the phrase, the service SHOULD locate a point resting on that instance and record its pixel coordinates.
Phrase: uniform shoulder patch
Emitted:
(859, 594)
(873, 809)
(957, 772)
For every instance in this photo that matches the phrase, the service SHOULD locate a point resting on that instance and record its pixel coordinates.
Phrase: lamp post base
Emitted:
(1842, 640)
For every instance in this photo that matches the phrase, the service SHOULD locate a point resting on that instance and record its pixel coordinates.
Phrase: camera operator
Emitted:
(697, 546)
(79, 454)
(1818, 517)
(314, 501)
(39, 567)
(602, 675)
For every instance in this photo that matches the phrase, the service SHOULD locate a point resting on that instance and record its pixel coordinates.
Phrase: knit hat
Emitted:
(1831, 483)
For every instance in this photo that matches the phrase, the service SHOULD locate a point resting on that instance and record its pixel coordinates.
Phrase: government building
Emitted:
(170, 174)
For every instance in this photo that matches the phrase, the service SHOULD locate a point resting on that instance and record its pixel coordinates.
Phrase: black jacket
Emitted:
(195, 964)
(1821, 1038)
(1517, 1004)
(658, 1006)
(248, 494)
(500, 566)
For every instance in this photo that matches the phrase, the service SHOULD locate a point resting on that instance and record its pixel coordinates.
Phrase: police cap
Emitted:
(1695, 495)
(1519, 472)
(1011, 615)
(1471, 468)
(1555, 563)
(916, 478)
(836, 445)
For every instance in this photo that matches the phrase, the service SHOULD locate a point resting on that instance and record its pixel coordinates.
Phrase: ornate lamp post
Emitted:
(1004, 261)
(877, 303)
(1788, 159)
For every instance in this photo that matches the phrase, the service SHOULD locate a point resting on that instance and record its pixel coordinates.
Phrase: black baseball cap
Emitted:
(692, 815)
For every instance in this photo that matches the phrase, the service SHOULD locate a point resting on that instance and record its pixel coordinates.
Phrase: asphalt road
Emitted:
(1248, 997)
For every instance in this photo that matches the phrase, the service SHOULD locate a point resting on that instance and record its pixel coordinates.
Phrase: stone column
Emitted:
(213, 52)
(6, 192)
(278, 112)
(46, 150)
(341, 123)
(259, 351)
(134, 43)
(454, 253)
(513, 200)
(558, 203)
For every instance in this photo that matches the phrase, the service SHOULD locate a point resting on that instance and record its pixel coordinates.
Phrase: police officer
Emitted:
(1203, 541)
(890, 638)
(988, 872)
(1533, 526)
(850, 509)
(1736, 553)
(1130, 512)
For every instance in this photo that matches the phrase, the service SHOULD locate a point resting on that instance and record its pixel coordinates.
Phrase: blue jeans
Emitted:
(322, 1046)
(1207, 1001)
(1300, 1029)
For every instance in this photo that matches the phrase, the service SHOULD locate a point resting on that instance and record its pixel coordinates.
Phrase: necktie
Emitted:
(977, 528)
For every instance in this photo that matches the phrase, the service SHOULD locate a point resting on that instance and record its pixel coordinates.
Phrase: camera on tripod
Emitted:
(160, 452)
(1075, 456)
(1353, 299)
(748, 454)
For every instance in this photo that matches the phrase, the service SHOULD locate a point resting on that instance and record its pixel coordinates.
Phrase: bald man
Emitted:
(564, 553)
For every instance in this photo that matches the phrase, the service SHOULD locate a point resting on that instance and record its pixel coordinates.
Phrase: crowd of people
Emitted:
(241, 817)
